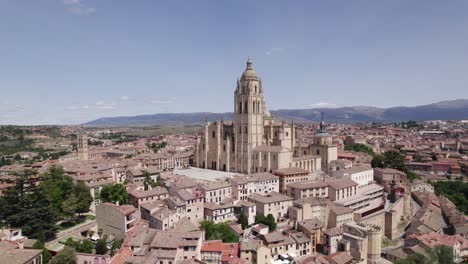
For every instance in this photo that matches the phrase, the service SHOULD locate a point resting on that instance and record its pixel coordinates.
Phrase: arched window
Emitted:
(255, 88)
(318, 152)
(246, 108)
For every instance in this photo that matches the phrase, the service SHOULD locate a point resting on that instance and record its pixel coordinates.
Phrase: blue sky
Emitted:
(71, 61)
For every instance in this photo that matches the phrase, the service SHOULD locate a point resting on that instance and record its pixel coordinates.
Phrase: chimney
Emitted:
(20, 244)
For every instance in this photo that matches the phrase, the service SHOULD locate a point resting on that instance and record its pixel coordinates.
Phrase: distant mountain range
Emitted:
(445, 110)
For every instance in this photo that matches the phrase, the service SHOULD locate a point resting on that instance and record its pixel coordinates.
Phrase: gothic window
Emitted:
(246, 108)
(224, 148)
(246, 129)
(318, 152)
(255, 88)
(254, 107)
(287, 134)
(240, 107)
(213, 134)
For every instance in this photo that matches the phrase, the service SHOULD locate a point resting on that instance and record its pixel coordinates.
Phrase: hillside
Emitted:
(445, 110)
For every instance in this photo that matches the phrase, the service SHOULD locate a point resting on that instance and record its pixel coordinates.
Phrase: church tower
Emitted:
(248, 118)
(82, 147)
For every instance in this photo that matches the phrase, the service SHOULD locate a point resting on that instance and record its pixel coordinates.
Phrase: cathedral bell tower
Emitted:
(248, 118)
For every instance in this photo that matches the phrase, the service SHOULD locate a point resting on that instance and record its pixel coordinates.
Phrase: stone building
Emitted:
(115, 220)
(254, 142)
(82, 147)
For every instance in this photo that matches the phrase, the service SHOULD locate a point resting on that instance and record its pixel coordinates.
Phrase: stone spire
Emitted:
(322, 125)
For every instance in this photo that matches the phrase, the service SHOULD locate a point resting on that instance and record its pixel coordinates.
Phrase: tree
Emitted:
(394, 160)
(268, 221)
(66, 256)
(101, 247)
(455, 191)
(26, 206)
(243, 221)
(360, 148)
(85, 246)
(439, 255)
(70, 206)
(114, 193)
(271, 222)
(417, 158)
(116, 244)
(45, 253)
(57, 186)
(84, 198)
(220, 231)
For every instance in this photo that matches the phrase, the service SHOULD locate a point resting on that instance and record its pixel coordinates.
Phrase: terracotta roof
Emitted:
(212, 246)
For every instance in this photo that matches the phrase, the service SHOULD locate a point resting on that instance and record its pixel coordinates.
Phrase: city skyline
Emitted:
(72, 61)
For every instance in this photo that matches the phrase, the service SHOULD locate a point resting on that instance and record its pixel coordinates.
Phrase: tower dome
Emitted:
(249, 73)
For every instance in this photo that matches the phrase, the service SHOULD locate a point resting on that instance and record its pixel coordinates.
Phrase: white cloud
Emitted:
(272, 51)
(161, 100)
(85, 107)
(100, 102)
(323, 105)
(107, 107)
(78, 8)
(124, 98)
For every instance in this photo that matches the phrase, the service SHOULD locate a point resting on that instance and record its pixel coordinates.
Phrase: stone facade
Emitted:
(254, 142)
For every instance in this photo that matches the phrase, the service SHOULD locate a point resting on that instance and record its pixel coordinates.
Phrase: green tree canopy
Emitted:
(220, 231)
(455, 191)
(395, 160)
(360, 148)
(114, 193)
(46, 256)
(27, 207)
(439, 255)
(66, 256)
(101, 247)
(269, 220)
(243, 220)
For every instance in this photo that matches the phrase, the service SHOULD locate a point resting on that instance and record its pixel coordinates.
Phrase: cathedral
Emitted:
(253, 142)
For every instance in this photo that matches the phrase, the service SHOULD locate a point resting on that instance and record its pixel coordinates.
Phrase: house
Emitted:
(330, 239)
(291, 175)
(115, 220)
(261, 183)
(315, 188)
(363, 175)
(273, 203)
(137, 197)
(217, 252)
(341, 189)
(216, 191)
(387, 176)
(219, 213)
(309, 208)
(83, 258)
(312, 228)
(14, 253)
